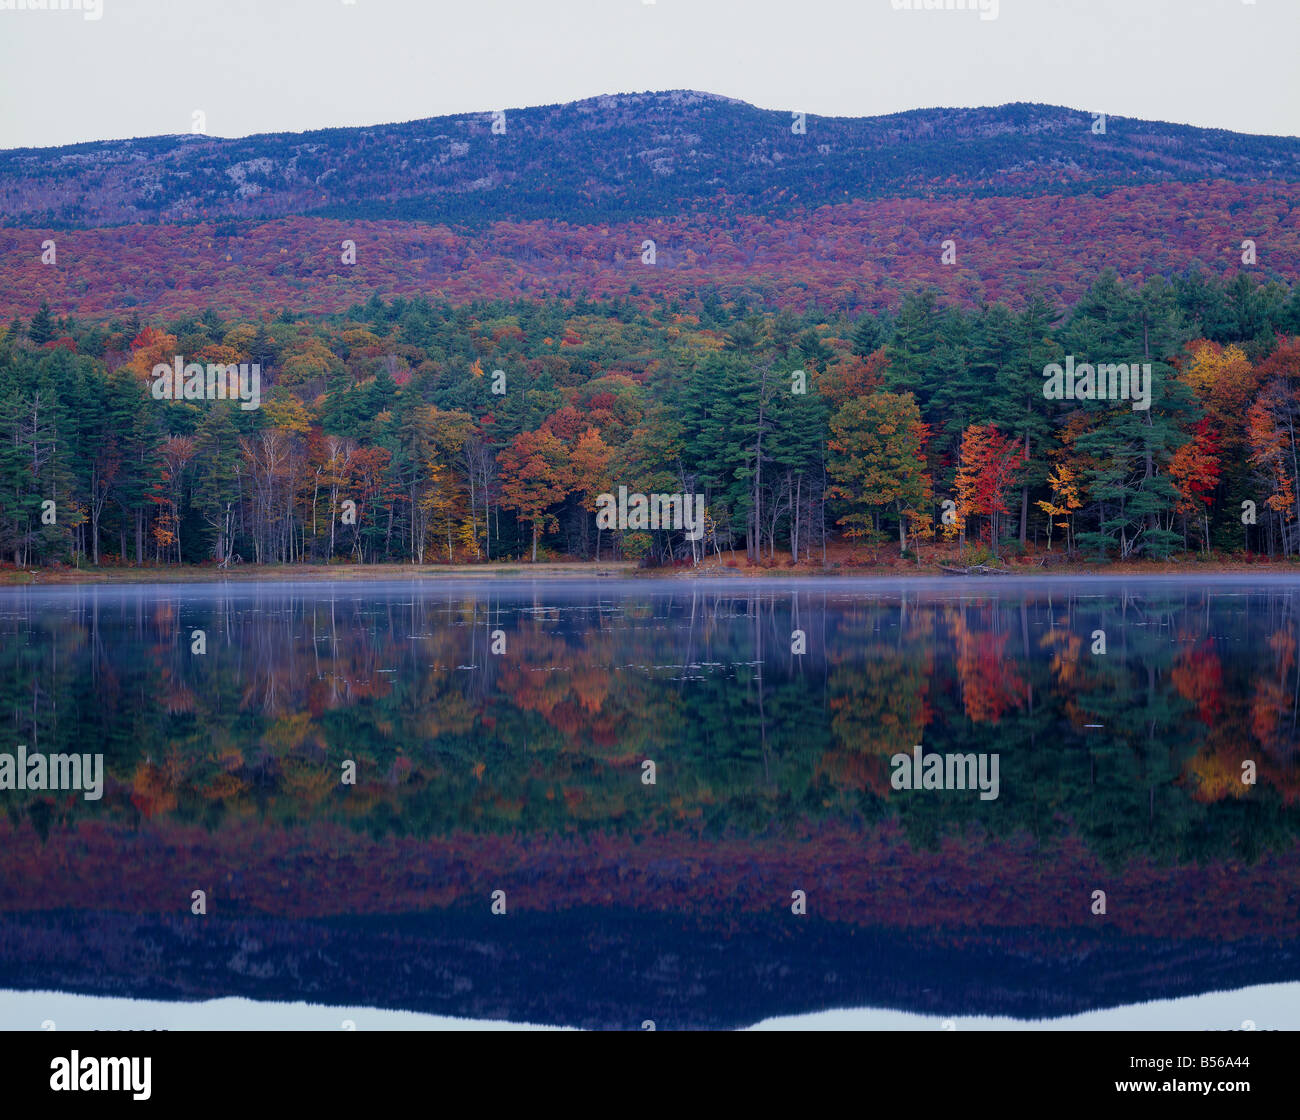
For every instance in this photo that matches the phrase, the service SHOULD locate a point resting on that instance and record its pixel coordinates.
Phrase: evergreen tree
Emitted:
(41, 329)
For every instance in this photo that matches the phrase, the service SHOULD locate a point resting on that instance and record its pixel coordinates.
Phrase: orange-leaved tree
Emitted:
(989, 462)
(536, 474)
(591, 472)
(1194, 471)
(1065, 499)
(877, 459)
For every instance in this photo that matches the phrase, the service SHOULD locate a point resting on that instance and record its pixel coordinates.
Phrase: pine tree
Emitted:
(41, 329)
(868, 336)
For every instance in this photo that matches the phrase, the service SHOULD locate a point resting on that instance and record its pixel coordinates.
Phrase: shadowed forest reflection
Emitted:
(522, 770)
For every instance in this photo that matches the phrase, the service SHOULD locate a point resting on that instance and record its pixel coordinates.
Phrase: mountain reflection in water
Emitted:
(522, 772)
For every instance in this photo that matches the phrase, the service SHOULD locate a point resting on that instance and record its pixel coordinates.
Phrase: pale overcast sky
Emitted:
(145, 66)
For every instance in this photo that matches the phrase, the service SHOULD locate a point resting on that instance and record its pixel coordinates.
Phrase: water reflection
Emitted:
(771, 713)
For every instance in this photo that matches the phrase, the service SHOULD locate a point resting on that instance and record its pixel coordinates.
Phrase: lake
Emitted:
(694, 804)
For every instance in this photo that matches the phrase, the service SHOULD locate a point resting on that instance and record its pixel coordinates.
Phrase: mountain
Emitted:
(848, 215)
(618, 158)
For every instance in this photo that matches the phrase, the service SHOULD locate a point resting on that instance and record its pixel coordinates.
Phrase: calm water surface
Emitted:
(500, 733)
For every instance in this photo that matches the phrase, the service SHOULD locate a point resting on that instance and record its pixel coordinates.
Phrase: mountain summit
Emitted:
(618, 157)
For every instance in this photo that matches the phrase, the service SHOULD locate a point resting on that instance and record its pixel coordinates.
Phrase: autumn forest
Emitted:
(332, 748)
(487, 430)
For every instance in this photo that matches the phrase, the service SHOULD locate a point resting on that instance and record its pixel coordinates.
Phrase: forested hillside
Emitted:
(846, 258)
(485, 430)
(468, 329)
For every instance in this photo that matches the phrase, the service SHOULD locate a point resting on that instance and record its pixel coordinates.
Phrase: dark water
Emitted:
(523, 771)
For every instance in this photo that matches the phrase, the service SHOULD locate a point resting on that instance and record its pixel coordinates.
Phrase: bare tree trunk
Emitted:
(1024, 501)
(754, 547)
(794, 521)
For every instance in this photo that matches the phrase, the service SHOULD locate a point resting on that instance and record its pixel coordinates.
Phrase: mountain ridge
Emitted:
(618, 157)
(601, 100)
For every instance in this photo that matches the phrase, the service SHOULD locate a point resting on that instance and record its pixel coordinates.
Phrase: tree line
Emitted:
(420, 431)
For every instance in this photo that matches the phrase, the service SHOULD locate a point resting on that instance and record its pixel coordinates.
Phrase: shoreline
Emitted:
(617, 570)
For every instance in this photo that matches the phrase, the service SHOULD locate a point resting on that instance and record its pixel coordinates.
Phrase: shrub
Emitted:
(636, 545)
